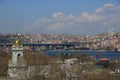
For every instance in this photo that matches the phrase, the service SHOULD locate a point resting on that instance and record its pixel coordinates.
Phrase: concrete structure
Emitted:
(17, 66)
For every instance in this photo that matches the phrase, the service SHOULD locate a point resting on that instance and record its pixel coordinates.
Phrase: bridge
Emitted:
(51, 46)
(63, 44)
(46, 46)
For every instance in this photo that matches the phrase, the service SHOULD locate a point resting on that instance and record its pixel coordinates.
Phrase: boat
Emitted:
(117, 50)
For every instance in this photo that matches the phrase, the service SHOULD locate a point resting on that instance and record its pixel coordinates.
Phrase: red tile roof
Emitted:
(104, 59)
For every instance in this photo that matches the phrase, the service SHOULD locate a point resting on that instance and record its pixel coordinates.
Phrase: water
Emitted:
(95, 53)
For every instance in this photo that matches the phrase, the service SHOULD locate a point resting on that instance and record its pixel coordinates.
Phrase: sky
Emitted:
(59, 16)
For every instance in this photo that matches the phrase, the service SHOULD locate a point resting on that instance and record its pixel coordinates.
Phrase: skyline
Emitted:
(65, 17)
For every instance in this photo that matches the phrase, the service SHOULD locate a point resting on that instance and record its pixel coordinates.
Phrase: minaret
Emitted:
(17, 66)
(110, 32)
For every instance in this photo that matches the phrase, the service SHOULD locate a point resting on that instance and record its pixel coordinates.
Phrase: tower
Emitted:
(17, 66)
(110, 32)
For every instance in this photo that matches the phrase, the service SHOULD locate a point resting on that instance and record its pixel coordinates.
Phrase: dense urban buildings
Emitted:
(104, 41)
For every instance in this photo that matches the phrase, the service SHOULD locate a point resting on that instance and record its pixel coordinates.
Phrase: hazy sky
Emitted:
(59, 16)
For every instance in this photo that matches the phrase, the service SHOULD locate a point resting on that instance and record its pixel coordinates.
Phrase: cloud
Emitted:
(83, 17)
(102, 18)
(56, 26)
(106, 8)
(58, 15)
(95, 18)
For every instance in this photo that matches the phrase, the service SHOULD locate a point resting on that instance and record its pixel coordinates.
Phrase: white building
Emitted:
(17, 66)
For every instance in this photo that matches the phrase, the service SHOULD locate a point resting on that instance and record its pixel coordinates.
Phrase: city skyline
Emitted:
(65, 17)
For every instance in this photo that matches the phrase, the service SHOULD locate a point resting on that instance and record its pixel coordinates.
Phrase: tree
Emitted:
(4, 62)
